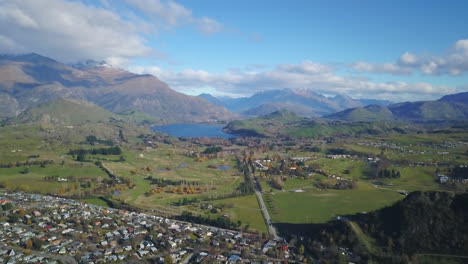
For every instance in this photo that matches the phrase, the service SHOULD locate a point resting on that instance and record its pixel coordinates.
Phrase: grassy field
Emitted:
(356, 168)
(174, 162)
(246, 209)
(319, 206)
(95, 201)
(34, 181)
(171, 163)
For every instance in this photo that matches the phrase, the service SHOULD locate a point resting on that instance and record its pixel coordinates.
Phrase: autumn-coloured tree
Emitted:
(28, 244)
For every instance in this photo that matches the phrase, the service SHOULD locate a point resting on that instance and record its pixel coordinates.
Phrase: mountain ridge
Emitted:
(304, 102)
(448, 108)
(31, 79)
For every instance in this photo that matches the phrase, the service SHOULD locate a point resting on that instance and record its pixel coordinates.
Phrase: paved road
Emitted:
(266, 215)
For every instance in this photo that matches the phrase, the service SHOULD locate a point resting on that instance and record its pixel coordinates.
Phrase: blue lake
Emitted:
(192, 130)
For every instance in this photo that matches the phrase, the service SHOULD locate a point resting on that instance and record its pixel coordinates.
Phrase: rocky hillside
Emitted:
(31, 79)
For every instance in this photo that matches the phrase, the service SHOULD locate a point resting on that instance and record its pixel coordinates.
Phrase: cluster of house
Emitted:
(303, 159)
(51, 229)
(341, 156)
(259, 164)
(263, 164)
(444, 178)
(407, 148)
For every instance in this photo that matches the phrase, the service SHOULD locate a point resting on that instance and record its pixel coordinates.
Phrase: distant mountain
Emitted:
(456, 98)
(302, 102)
(448, 108)
(269, 108)
(345, 102)
(430, 111)
(365, 102)
(211, 99)
(31, 79)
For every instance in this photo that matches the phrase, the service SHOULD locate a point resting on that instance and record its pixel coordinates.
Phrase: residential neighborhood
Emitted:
(46, 229)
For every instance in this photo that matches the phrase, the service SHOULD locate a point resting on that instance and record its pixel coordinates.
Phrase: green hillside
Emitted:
(63, 111)
(368, 113)
(285, 123)
(264, 126)
(137, 117)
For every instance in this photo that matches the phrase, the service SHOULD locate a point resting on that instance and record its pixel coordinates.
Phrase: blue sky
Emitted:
(397, 50)
(324, 31)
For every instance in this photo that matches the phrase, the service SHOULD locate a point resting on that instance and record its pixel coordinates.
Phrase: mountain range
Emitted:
(31, 79)
(302, 102)
(448, 108)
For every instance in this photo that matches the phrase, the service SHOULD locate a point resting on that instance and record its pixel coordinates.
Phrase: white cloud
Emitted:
(169, 12)
(307, 75)
(408, 59)
(391, 68)
(172, 14)
(209, 26)
(67, 31)
(455, 62)
(70, 31)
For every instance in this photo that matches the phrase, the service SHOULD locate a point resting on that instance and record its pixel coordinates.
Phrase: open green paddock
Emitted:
(413, 179)
(245, 209)
(319, 206)
(34, 181)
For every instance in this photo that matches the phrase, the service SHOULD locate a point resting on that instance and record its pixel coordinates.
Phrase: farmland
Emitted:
(158, 173)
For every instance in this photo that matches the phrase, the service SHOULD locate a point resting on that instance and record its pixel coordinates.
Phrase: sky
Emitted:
(394, 50)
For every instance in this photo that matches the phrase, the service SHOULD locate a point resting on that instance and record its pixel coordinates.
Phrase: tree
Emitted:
(8, 206)
(81, 157)
(13, 218)
(28, 244)
(168, 260)
(278, 183)
(245, 254)
(301, 250)
(21, 212)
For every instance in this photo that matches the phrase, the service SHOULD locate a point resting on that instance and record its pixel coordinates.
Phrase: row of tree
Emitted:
(96, 151)
(27, 163)
(92, 140)
(212, 150)
(161, 182)
(387, 173)
(221, 221)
